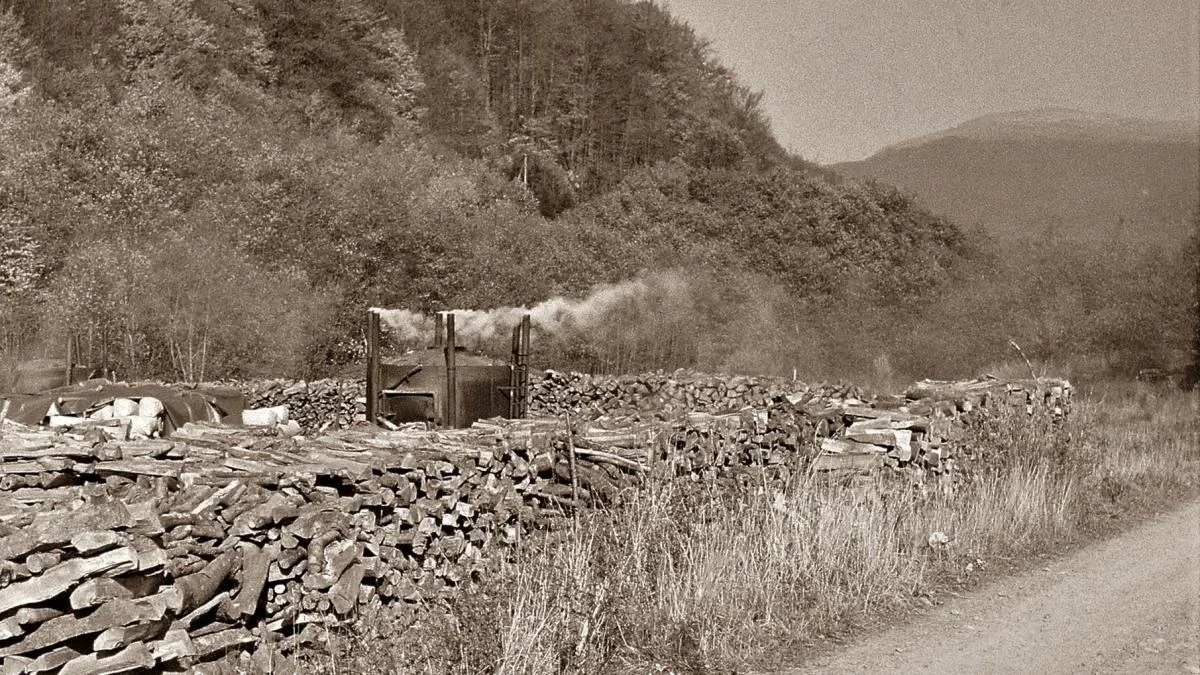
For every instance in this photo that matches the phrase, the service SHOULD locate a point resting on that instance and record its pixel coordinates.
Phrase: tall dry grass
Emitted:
(693, 578)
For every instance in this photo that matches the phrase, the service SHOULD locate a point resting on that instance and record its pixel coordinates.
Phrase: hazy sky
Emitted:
(844, 78)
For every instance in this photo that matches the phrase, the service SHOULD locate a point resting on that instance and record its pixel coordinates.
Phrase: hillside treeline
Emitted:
(221, 187)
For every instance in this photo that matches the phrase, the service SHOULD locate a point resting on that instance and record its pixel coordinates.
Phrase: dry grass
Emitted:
(689, 578)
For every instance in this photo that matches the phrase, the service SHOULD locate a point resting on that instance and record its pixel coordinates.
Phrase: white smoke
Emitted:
(550, 316)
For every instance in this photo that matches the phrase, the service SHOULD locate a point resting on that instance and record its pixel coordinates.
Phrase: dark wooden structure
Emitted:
(445, 385)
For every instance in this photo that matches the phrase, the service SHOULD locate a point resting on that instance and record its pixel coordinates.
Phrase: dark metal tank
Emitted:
(413, 388)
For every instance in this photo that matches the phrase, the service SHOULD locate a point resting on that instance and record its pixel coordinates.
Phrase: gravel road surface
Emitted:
(1130, 604)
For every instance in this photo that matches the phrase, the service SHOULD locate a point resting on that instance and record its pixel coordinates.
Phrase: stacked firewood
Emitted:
(170, 554)
(664, 394)
(1048, 394)
(163, 554)
(319, 405)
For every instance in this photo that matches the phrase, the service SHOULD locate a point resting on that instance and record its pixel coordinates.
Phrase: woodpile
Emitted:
(319, 405)
(1052, 395)
(166, 554)
(663, 395)
(225, 547)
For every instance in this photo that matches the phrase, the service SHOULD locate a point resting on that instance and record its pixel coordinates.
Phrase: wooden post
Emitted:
(373, 383)
(437, 330)
(571, 461)
(450, 406)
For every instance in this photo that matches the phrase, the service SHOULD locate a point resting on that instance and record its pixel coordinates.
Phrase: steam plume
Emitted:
(550, 316)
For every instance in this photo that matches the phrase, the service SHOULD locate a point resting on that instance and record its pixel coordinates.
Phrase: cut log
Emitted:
(119, 637)
(200, 587)
(68, 627)
(99, 540)
(55, 658)
(344, 593)
(255, 565)
(35, 615)
(206, 645)
(61, 577)
(97, 591)
(11, 628)
(56, 528)
(15, 665)
(176, 644)
(134, 657)
(218, 599)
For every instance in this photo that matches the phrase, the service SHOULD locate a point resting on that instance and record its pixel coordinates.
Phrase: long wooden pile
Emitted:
(318, 405)
(663, 394)
(165, 554)
(170, 554)
(1052, 395)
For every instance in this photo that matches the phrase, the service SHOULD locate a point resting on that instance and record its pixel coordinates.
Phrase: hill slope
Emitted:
(221, 187)
(1051, 172)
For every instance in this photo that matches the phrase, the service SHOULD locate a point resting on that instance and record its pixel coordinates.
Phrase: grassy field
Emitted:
(690, 579)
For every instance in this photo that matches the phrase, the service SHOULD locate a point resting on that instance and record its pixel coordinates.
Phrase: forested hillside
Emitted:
(218, 188)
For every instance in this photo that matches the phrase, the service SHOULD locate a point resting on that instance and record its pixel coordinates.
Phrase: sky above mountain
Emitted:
(844, 79)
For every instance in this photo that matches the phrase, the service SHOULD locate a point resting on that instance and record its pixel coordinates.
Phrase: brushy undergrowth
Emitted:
(688, 578)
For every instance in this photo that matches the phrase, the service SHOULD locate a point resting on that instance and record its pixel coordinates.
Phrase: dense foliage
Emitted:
(221, 187)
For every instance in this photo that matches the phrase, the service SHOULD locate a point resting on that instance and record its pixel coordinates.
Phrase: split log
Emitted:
(98, 591)
(200, 587)
(65, 575)
(255, 564)
(134, 657)
(56, 528)
(119, 637)
(55, 658)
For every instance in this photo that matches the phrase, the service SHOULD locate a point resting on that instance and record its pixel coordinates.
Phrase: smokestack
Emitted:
(450, 409)
(437, 330)
(373, 379)
(523, 391)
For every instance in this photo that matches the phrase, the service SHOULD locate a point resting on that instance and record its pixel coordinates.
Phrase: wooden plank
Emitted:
(837, 446)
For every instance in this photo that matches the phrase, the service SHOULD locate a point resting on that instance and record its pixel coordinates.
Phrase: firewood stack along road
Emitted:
(242, 543)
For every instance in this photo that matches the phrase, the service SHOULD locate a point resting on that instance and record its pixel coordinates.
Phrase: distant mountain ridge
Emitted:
(1062, 124)
(1052, 171)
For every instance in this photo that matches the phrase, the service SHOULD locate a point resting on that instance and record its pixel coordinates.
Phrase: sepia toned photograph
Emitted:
(612, 337)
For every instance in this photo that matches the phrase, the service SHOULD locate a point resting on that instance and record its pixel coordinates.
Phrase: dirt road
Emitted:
(1127, 605)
